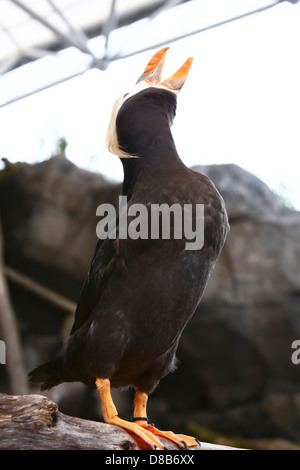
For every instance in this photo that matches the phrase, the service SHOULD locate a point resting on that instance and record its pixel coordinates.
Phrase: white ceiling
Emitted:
(31, 30)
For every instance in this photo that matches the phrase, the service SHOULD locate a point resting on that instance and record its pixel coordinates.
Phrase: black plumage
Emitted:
(139, 294)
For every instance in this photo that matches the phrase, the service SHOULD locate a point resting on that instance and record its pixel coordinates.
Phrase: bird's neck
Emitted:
(158, 159)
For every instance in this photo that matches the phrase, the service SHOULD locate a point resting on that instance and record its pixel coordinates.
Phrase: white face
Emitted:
(111, 134)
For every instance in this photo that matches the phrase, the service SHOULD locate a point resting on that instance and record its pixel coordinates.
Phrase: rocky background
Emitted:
(236, 378)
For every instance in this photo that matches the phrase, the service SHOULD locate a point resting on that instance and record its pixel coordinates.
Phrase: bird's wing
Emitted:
(105, 260)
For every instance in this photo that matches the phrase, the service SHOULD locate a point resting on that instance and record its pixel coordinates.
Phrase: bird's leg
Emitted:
(140, 417)
(144, 438)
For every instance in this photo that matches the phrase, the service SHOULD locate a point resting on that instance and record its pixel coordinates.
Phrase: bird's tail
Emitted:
(48, 374)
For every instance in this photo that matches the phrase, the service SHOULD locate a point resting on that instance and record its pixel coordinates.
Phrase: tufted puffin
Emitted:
(140, 292)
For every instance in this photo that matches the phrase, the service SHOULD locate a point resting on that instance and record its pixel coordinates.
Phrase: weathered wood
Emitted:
(34, 422)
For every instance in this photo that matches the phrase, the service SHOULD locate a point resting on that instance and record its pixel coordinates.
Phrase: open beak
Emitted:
(153, 72)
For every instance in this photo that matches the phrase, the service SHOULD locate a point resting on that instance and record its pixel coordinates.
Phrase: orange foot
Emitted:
(140, 417)
(182, 441)
(144, 438)
(146, 435)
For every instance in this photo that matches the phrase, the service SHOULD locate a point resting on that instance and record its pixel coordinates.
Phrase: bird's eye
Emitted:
(125, 94)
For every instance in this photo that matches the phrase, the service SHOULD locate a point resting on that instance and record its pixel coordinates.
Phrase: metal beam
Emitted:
(110, 25)
(9, 64)
(43, 88)
(201, 30)
(152, 46)
(78, 35)
(71, 41)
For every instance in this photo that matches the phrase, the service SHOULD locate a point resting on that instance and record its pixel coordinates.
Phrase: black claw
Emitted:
(185, 444)
(166, 448)
(198, 442)
(155, 447)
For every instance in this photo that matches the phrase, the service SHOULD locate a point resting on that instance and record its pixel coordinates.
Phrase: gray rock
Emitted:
(243, 193)
(60, 232)
(54, 204)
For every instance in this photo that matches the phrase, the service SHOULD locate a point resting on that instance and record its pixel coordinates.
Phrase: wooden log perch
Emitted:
(34, 422)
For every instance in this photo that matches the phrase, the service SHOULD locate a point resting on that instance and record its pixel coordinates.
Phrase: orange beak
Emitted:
(153, 71)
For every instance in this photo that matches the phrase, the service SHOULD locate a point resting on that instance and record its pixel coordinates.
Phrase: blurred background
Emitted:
(63, 63)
